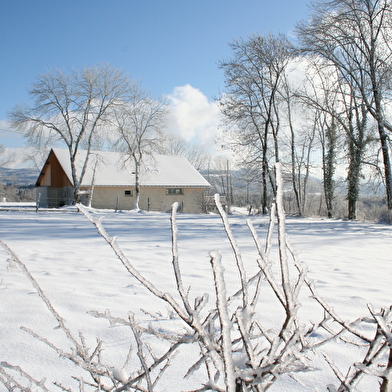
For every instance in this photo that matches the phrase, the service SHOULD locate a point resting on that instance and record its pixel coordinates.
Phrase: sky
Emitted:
(173, 47)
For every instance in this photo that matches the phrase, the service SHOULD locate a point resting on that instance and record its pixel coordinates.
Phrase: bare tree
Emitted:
(336, 101)
(139, 126)
(252, 102)
(354, 36)
(71, 108)
(37, 155)
(196, 154)
(297, 141)
(294, 178)
(322, 98)
(357, 135)
(301, 145)
(5, 157)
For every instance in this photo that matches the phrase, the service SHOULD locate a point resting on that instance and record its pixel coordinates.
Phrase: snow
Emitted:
(78, 271)
(111, 170)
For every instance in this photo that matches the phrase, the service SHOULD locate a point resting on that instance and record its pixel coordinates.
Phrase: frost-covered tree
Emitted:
(354, 37)
(138, 126)
(252, 102)
(197, 154)
(71, 108)
(5, 157)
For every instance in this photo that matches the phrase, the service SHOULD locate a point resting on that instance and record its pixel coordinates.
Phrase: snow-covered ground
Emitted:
(351, 263)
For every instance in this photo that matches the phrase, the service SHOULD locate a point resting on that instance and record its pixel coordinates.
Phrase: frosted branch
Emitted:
(236, 251)
(175, 261)
(220, 289)
(287, 290)
(12, 383)
(44, 298)
(132, 270)
(137, 332)
(265, 267)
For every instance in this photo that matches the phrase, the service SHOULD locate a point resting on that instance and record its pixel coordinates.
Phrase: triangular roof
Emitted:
(113, 170)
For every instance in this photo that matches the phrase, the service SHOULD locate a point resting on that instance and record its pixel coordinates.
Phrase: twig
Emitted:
(236, 251)
(44, 298)
(131, 269)
(137, 334)
(225, 324)
(18, 369)
(176, 267)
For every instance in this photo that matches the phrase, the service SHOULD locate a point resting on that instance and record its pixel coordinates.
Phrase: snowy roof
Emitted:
(113, 170)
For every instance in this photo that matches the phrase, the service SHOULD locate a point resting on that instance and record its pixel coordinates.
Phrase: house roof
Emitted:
(113, 170)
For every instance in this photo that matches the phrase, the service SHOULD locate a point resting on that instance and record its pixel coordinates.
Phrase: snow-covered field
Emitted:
(351, 263)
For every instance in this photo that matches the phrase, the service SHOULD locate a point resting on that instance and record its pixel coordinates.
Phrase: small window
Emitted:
(127, 193)
(174, 191)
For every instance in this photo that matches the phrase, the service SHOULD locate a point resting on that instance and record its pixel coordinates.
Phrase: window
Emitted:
(127, 193)
(174, 191)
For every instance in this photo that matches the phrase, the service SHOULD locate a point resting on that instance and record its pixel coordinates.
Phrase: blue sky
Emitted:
(167, 44)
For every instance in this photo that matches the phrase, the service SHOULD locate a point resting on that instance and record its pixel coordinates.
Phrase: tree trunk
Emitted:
(307, 171)
(328, 173)
(387, 164)
(137, 193)
(329, 189)
(76, 183)
(76, 194)
(353, 177)
(295, 181)
(264, 184)
(293, 173)
(384, 140)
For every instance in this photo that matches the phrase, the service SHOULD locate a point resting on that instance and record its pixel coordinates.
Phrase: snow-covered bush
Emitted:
(236, 345)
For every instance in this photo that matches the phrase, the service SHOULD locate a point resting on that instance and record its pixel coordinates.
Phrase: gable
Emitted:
(53, 174)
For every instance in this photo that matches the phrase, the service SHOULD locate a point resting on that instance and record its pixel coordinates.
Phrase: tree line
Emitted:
(319, 98)
(323, 96)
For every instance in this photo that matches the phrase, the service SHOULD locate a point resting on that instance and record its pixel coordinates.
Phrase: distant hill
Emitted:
(18, 177)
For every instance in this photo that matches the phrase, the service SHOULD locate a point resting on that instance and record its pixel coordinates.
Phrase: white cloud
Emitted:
(193, 116)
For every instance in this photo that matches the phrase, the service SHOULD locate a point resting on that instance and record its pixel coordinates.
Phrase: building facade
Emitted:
(109, 182)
